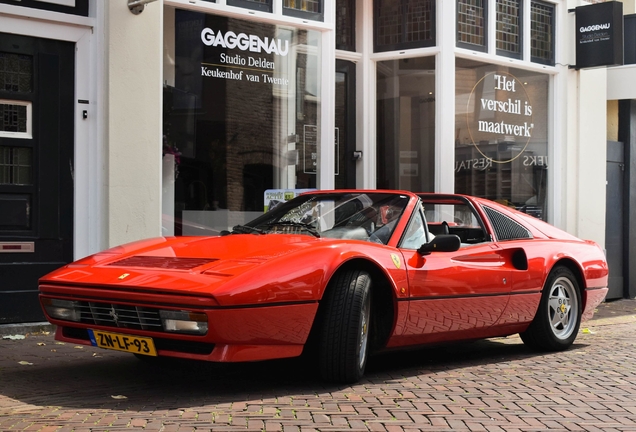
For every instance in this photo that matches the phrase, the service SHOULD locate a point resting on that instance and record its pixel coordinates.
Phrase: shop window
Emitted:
(345, 25)
(508, 32)
(240, 119)
(501, 147)
(260, 5)
(406, 124)
(471, 24)
(542, 32)
(309, 9)
(403, 24)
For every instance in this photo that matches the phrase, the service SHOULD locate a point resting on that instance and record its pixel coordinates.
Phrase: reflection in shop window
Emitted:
(311, 9)
(345, 24)
(406, 124)
(403, 24)
(261, 5)
(235, 117)
(508, 34)
(303, 5)
(471, 24)
(501, 147)
(542, 32)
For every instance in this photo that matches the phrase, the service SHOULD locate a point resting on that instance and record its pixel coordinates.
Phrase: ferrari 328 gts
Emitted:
(339, 274)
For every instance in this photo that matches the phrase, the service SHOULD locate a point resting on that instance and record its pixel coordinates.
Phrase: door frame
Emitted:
(349, 69)
(627, 135)
(615, 242)
(89, 177)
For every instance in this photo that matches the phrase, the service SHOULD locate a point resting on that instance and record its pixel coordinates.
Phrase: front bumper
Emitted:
(247, 333)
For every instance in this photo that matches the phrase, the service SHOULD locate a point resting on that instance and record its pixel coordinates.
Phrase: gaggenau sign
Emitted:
(596, 27)
(599, 34)
(244, 42)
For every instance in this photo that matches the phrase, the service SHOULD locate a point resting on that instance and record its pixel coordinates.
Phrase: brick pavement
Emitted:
(493, 385)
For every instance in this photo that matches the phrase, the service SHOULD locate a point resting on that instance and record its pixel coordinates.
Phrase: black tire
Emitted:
(344, 341)
(558, 319)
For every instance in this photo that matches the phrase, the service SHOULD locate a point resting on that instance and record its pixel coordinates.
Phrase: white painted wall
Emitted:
(584, 152)
(365, 92)
(586, 155)
(133, 121)
(444, 100)
(621, 82)
(629, 6)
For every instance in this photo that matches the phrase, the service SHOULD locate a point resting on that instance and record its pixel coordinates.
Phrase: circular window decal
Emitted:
(499, 110)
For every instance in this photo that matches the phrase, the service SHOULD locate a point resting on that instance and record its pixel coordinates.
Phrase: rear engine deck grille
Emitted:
(168, 263)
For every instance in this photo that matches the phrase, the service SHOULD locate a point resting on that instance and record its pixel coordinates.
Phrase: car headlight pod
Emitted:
(66, 310)
(184, 322)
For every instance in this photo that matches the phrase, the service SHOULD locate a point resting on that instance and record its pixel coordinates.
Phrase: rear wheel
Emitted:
(558, 319)
(344, 344)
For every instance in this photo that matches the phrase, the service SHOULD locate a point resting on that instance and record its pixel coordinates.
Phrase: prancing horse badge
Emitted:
(396, 260)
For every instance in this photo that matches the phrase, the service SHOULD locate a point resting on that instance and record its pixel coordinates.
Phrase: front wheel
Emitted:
(558, 319)
(344, 344)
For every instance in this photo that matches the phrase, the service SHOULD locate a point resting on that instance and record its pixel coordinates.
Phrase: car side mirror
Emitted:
(441, 243)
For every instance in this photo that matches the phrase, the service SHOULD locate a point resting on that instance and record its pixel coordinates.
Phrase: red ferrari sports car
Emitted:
(341, 274)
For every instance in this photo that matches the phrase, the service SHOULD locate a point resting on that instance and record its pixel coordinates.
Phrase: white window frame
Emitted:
(29, 119)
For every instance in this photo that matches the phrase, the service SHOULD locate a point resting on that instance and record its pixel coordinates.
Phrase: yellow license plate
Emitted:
(120, 342)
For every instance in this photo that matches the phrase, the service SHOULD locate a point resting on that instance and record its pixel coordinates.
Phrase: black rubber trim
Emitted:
(171, 305)
(468, 296)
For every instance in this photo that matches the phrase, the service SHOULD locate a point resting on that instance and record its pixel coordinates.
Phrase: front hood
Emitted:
(200, 265)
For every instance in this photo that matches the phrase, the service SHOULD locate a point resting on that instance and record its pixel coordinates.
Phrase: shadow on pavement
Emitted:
(89, 379)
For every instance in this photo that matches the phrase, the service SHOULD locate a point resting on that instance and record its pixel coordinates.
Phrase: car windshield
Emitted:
(357, 216)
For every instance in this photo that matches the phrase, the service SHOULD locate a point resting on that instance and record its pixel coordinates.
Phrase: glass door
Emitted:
(345, 134)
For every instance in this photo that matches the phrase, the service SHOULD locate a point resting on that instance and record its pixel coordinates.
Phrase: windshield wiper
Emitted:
(307, 227)
(244, 229)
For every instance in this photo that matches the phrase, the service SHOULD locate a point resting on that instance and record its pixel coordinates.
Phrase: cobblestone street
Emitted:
(492, 385)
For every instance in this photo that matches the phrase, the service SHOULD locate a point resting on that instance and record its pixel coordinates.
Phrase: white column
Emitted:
(562, 98)
(445, 98)
(326, 148)
(592, 155)
(581, 106)
(366, 174)
(133, 120)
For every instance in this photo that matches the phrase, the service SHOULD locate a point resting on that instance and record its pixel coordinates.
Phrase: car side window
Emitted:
(415, 234)
(455, 217)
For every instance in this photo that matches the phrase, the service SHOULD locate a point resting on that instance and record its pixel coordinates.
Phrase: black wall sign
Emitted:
(599, 35)
(630, 39)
